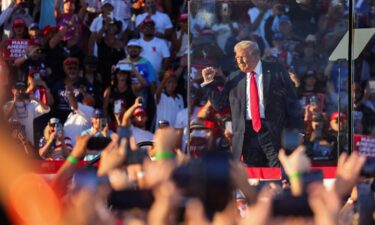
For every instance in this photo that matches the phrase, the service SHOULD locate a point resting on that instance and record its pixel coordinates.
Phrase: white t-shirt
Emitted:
(184, 44)
(78, 121)
(25, 113)
(141, 135)
(155, 51)
(168, 107)
(223, 32)
(253, 13)
(121, 9)
(196, 23)
(161, 20)
(182, 122)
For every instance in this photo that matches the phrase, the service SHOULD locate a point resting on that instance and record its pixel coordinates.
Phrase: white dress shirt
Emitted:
(258, 77)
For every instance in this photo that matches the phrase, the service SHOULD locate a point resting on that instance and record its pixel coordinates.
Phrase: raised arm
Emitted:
(219, 97)
(128, 113)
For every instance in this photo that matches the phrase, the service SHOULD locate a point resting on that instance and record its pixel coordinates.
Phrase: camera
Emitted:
(22, 96)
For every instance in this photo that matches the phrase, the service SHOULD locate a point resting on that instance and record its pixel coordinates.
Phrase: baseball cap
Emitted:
(148, 21)
(71, 61)
(183, 17)
(134, 42)
(138, 111)
(310, 73)
(105, 2)
(18, 22)
(65, 1)
(19, 85)
(98, 113)
(34, 26)
(335, 115)
(54, 120)
(47, 30)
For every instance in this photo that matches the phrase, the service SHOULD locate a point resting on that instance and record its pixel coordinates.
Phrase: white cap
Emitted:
(134, 42)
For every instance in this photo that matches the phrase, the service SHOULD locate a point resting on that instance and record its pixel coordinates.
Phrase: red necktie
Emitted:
(254, 103)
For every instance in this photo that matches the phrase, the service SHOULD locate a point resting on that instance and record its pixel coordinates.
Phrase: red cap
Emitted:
(148, 21)
(65, 1)
(18, 22)
(183, 17)
(47, 30)
(138, 111)
(71, 61)
(335, 115)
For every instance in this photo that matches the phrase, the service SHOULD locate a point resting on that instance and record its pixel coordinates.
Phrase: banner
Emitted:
(364, 144)
(15, 48)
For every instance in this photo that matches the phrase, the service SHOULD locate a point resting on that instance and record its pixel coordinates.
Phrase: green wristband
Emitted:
(71, 159)
(295, 175)
(164, 155)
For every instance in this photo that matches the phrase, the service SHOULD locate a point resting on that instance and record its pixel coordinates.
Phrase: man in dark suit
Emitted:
(263, 102)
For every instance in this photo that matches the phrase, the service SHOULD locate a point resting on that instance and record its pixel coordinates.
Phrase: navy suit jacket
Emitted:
(281, 106)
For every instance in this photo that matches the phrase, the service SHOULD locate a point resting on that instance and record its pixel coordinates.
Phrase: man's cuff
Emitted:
(206, 83)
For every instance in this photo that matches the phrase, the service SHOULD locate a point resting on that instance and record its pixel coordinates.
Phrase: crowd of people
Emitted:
(109, 80)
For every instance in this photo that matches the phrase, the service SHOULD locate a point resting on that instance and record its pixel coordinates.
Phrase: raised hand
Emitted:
(208, 74)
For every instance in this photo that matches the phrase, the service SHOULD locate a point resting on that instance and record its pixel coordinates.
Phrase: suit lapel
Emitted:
(266, 82)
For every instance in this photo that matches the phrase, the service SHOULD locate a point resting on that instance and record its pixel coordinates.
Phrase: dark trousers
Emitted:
(258, 149)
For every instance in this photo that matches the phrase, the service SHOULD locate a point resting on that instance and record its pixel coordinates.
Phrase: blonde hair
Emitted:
(250, 45)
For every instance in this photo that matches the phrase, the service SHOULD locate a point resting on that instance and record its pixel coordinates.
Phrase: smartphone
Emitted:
(140, 100)
(125, 67)
(98, 143)
(103, 123)
(290, 140)
(117, 107)
(59, 129)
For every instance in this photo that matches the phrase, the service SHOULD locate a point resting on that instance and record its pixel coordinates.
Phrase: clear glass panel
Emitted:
(363, 86)
(295, 82)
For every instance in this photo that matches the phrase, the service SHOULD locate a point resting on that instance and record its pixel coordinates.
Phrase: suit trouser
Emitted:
(258, 149)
